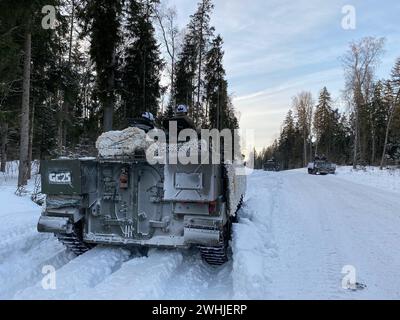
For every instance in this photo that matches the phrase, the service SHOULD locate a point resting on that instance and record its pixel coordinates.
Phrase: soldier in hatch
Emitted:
(145, 122)
(181, 118)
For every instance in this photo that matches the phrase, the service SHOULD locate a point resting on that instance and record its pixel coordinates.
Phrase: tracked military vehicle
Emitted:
(271, 165)
(321, 166)
(120, 199)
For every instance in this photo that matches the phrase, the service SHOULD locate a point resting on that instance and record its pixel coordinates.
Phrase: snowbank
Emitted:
(253, 244)
(387, 179)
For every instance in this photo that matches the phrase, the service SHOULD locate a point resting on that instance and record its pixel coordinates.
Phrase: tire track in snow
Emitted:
(367, 246)
(139, 278)
(85, 271)
(21, 237)
(23, 250)
(324, 224)
(195, 279)
(23, 266)
(304, 266)
(18, 229)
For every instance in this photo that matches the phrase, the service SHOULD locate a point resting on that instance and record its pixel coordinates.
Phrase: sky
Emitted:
(277, 48)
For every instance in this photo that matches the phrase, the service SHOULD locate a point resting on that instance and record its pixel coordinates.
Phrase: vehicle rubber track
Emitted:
(216, 255)
(74, 242)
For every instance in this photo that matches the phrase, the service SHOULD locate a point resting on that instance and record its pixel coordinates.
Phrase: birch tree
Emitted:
(167, 22)
(359, 63)
(303, 106)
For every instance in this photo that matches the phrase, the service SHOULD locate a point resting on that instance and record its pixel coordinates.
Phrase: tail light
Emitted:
(123, 179)
(212, 207)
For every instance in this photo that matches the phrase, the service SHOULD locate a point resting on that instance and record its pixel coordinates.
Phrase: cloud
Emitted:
(264, 111)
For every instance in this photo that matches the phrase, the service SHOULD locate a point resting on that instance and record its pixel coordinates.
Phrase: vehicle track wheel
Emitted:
(74, 241)
(218, 255)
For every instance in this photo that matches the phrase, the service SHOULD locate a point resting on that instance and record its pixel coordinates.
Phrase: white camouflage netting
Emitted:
(130, 140)
(122, 143)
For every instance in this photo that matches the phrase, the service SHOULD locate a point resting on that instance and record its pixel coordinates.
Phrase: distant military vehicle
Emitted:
(121, 199)
(332, 169)
(271, 165)
(321, 166)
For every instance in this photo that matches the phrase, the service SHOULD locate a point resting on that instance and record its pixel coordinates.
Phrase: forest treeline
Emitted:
(365, 132)
(99, 64)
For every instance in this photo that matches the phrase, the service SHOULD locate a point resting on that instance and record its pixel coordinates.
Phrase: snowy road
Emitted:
(311, 227)
(295, 235)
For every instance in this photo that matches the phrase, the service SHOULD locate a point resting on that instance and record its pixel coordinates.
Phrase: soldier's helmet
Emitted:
(148, 115)
(181, 109)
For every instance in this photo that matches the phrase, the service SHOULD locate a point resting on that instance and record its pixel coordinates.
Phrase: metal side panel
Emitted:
(129, 210)
(68, 177)
(191, 183)
(61, 177)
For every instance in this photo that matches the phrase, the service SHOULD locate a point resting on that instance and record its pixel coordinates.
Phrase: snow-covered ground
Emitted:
(295, 235)
(299, 231)
(372, 176)
(23, 251)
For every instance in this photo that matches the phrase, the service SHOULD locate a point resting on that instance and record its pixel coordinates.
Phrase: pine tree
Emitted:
(71, 77)
(392, 99)
(395, 75)
(10, 71)
(189, 87)
(185, 74)
(323, 123)
(377, 111)
(287, 141)
(101, 21)
(23, 168)
(21, 26)
(216, 85)
(395, 128)
(142, 64)
(52, 86)
(340, 144)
